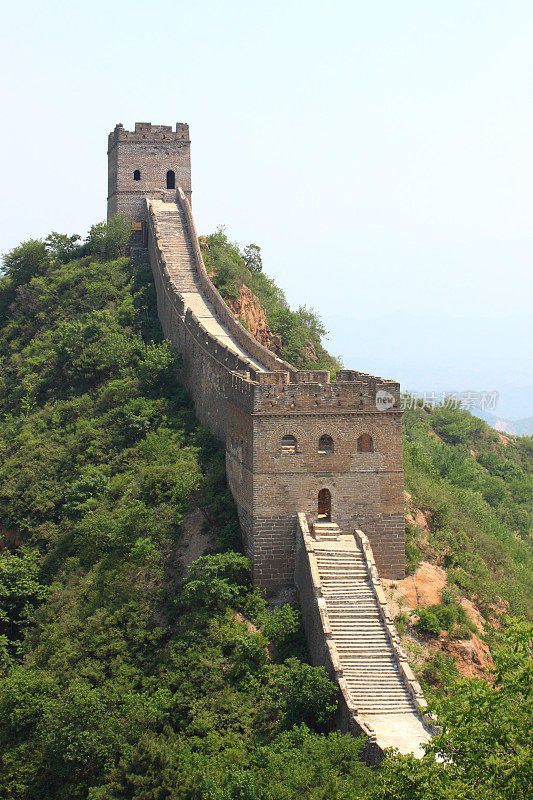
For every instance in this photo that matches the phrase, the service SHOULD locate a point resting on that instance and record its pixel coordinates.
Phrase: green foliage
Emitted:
(107, 240)
(63, 248)
(299, 763)
(20, 594)
(280, 627)
(428, 623)
(412, 553)
(438, 670)
(26, 261)
(479, 492)
(455, 425)
(305, 694)
(486, 747)
(251, 256)
(121, 676)
(301, 331)
(401, 621)
(216, 582)
(453, 618)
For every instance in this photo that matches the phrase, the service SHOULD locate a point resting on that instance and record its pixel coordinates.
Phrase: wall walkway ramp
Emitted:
(351, 633)
(176, 244)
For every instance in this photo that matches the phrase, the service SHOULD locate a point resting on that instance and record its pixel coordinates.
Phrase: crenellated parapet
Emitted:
(146, 132)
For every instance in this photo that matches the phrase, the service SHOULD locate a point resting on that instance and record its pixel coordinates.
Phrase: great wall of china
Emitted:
(311, 464)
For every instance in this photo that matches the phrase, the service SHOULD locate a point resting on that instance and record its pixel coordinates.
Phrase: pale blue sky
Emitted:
(381, 153)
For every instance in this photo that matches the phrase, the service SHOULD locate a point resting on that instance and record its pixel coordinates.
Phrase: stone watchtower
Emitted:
(151, 161)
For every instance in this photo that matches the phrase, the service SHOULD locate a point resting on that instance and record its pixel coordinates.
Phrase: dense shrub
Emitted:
(428, 623)
(478, 491)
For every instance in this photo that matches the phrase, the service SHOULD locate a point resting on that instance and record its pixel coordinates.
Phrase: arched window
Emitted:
(136, 174)
(325, 444)
(324, 505)
(365, 444)
(171, 179)
(288, 444)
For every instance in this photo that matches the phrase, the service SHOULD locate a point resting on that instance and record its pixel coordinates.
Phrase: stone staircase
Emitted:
(363, 646)
(368, 661)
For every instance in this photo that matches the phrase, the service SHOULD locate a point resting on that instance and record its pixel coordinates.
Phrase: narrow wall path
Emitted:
(175, 243)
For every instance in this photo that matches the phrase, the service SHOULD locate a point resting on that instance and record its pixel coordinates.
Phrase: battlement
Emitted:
(274, 395)
(145, 131)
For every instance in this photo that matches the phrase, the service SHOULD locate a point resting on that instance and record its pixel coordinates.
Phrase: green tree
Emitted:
(26, 261)
(486, 747)
(216, 581)
(63, 248)
(108, 240)
(305, 694)
(251, 255)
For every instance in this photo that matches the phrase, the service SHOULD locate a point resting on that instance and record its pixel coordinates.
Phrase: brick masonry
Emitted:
(250, 407)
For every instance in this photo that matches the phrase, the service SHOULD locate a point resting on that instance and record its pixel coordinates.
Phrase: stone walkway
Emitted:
(173, 239)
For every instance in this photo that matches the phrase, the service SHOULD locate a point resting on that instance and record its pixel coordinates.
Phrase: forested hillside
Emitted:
(123, 675)
(478, 488)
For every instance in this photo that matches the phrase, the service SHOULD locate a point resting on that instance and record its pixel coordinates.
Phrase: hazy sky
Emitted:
(380, 153)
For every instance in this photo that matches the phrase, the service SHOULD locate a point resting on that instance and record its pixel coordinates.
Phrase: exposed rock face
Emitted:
(472, 656)
(424, 588)
(9, 538)
(421, 518)
(248, 308)
(310, 352)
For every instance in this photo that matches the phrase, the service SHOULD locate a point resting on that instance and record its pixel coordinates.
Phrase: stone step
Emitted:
(371, 691)
(342, 571)
(373, 708)
(363, 629)
(390, 681)
(391, 704)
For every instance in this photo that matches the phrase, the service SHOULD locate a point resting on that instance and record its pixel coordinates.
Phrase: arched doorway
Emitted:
(324, 505)
(171, 179)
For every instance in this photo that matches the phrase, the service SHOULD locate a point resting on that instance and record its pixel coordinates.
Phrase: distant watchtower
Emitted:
(151, 161)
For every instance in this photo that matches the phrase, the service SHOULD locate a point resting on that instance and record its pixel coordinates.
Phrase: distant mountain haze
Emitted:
(436, 354)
